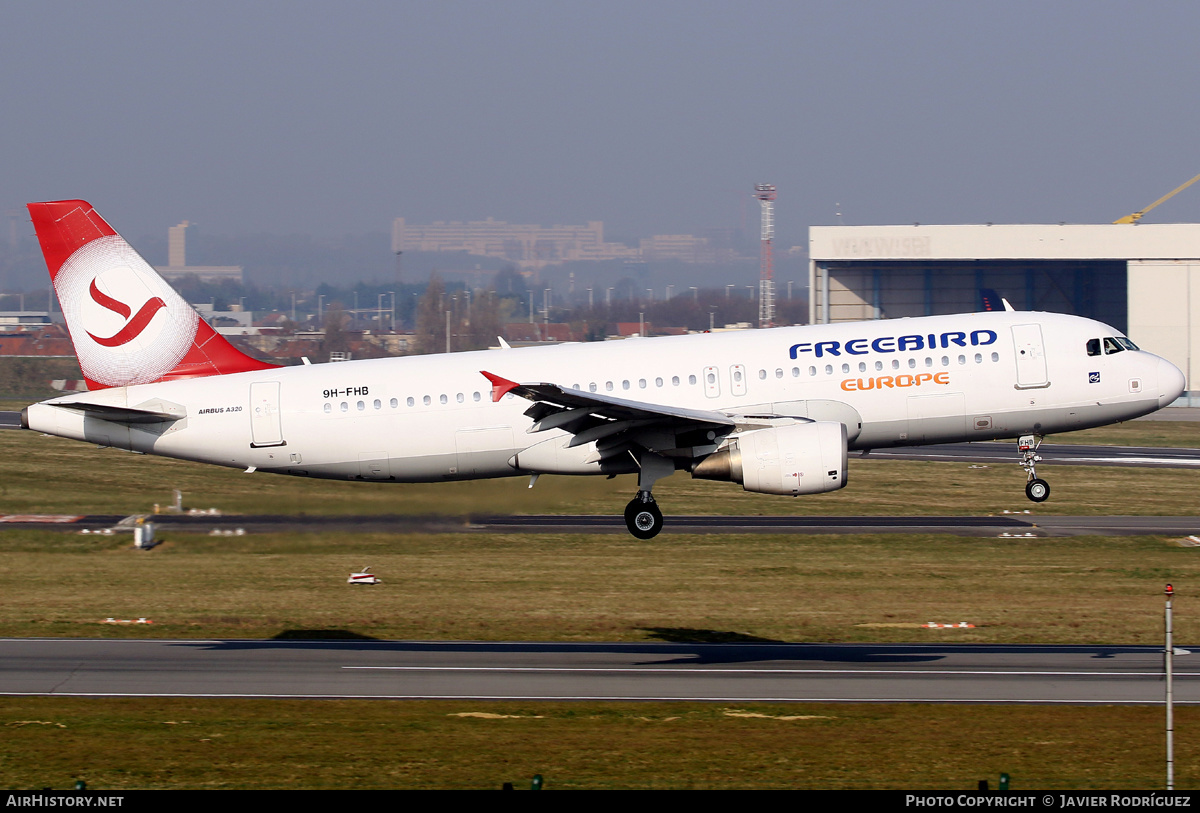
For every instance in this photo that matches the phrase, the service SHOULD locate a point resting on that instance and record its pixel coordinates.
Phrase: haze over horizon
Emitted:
(655, 118)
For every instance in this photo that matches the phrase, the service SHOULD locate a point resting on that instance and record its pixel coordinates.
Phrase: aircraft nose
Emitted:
(1170, 382)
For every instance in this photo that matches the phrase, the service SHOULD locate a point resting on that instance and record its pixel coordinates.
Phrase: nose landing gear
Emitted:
(1036, 489)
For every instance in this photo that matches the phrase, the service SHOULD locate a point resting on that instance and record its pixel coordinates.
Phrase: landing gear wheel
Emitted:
(643, 519)
(1037, 490)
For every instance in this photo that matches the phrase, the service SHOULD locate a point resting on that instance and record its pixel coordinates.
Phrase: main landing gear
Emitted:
(1036, 488)
(642, 516)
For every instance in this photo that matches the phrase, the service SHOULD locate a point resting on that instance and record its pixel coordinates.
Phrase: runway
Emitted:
(943, 673)
(1029, 524)
(999, 453)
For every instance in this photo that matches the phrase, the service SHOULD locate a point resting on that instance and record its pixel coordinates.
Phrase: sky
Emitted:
(654, 116)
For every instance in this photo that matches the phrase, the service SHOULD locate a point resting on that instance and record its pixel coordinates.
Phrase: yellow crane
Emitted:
(1136, 216)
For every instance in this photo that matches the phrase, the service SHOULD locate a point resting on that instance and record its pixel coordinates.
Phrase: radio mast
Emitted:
(765, 192)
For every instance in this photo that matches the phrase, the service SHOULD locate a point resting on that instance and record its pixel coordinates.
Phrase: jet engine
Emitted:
(801, 458)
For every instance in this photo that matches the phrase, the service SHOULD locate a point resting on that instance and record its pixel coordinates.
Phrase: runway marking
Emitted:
(687, 670)
(47, 518)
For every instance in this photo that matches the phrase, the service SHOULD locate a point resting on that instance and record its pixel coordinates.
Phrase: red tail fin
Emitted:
(127, 324)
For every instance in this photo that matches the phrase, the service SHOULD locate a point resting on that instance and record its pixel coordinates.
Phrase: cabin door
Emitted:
(1031, 356)
(266, 428)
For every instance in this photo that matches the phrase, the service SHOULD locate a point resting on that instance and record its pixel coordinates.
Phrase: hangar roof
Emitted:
(1142, 241)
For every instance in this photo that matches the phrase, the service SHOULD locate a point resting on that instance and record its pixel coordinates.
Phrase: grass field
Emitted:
(151, 743)
(676, 587)
(549, 587)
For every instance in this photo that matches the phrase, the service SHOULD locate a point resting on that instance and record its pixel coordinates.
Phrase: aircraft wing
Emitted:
(618, 425)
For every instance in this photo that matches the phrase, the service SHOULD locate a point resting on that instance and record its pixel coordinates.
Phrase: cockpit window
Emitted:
(1115, 344)
(1093, 347)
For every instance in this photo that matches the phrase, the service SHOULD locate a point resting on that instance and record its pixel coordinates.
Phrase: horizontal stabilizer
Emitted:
(161, 413)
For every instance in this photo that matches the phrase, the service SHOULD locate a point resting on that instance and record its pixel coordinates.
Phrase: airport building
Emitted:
(1142, 279)
(179, 269)
(527, 246)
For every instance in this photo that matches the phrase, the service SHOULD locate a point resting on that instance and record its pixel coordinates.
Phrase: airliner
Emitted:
(775, 410)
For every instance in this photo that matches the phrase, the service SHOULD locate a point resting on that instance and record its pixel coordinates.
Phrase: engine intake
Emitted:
(802, 458)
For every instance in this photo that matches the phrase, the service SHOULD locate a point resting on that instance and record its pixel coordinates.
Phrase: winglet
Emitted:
(500, 386)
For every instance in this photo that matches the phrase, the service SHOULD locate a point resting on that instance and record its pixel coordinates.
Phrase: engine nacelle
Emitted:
(803, 458)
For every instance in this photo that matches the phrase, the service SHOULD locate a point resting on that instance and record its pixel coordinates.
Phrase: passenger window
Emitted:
(658, 382)
(642, 383)
(378, 404)
(979, 358)
(476, 395)
(878, 366)
(394, 403)
(443, 398)
(995, 356)
(795, 372)
(912, 364)
(345, 406)
(691, 379)
(427, 400)
(828, 369)
(361, 406)
(608, 386)
(762, 375)
(895, 364)
(410, 401)
(592, 387)
(625, 384)
(845, 368)
(328, 408)
(460, 397)
(674, 381)
(812, 370)
(1093, 347)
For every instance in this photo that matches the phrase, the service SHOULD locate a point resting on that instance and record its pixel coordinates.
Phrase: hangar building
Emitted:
(1142, 279)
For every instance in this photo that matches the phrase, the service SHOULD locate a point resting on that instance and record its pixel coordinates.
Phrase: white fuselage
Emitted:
(964, 377)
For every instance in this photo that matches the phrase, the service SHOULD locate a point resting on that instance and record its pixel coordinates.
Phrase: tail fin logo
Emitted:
(134, 327)
(100, 285)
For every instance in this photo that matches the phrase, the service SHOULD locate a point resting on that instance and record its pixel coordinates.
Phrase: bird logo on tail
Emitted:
(134, 326)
